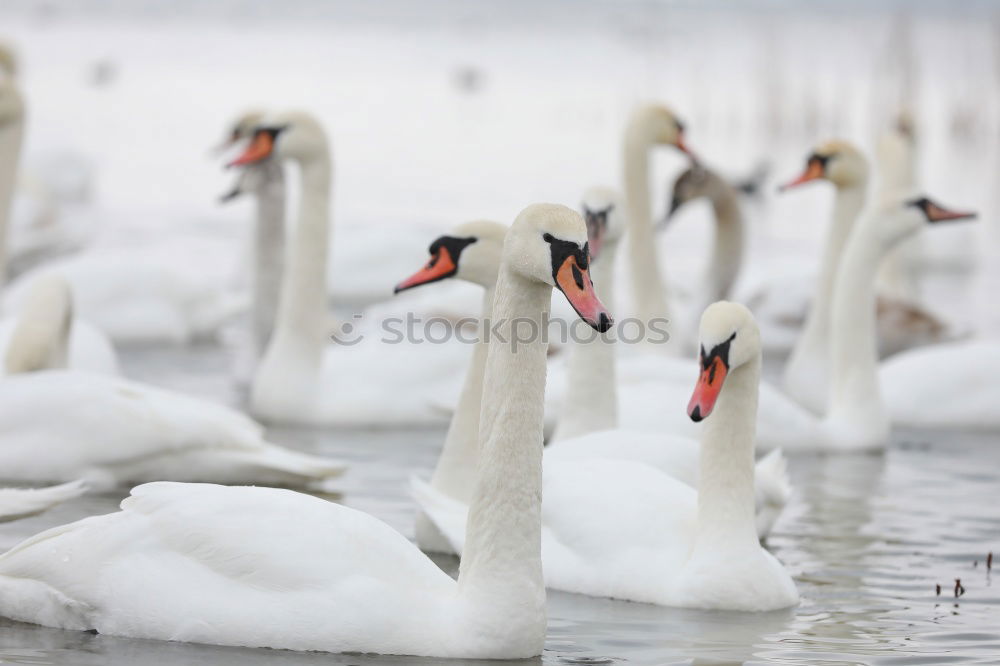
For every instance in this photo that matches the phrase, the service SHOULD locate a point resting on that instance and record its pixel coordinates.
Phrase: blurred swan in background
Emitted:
(648, 537)
(17, 503)
(170, 564)
(301, 377)
(45, 335)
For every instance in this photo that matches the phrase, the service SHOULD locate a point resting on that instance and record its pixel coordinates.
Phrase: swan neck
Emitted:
(501, 563)
(855, 398)
(591, 398)
(846, 207)
(300, 334)
(726, 484)
(727, 249)
(269, 252)
(460, 453)
(648, 288)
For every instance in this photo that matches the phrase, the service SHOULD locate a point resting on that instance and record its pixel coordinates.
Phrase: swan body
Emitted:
(648, 536)
(111, 431)
(271, 568)
(951, 385)
(16, 503)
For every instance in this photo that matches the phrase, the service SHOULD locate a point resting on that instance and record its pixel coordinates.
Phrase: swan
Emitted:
(648, 537)
(45, 335)
(649, 125)
(807, 373)
(17, 503)
(301, 378)
(261, 567)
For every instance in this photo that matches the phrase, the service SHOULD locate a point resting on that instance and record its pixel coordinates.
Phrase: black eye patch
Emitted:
(720, 351)
(822, 159)
(562, 250)
(453, 244)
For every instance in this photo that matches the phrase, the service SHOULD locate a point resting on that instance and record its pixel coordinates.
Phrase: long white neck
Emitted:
(591, 398)
(727, 250)
(501, 564)
(40, 340)
(454, 474)
(726, 483)
(810, 359)
(649, 291)
(855, 398)
(10, 152)
(269, 252)
(286, 377)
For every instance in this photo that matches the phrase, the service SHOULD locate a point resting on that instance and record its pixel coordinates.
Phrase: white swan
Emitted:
(45, 335)
(648, 537)
(17, 503)
(807, 373)
(271, 568)
(301, 377)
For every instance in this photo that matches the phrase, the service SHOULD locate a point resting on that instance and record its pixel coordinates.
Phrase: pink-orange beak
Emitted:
(707, 390)
(259, 148)
(814, 171)
(575, 283)
(440, 266)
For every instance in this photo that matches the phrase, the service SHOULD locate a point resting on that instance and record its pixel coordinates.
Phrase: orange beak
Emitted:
(575, 283)
(706, 391)
(260, 147)
(937, 213)
(814, 171)
(441, 266)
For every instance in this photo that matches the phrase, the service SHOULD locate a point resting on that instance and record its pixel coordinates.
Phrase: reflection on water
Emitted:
(867, 537)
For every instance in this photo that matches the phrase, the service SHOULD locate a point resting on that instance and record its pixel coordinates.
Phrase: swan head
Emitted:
(839, 162)
(898, 217)
(471, 252)
(294, 135)
(604, 213)
(548, 243)
(658, 124)
(693, 183)
(729, 338)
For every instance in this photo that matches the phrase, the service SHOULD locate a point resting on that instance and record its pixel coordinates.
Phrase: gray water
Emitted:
(867, 538)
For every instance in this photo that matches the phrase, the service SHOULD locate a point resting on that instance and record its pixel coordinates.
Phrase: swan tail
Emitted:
(773, 489)
(18, 503)
(447, 514)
